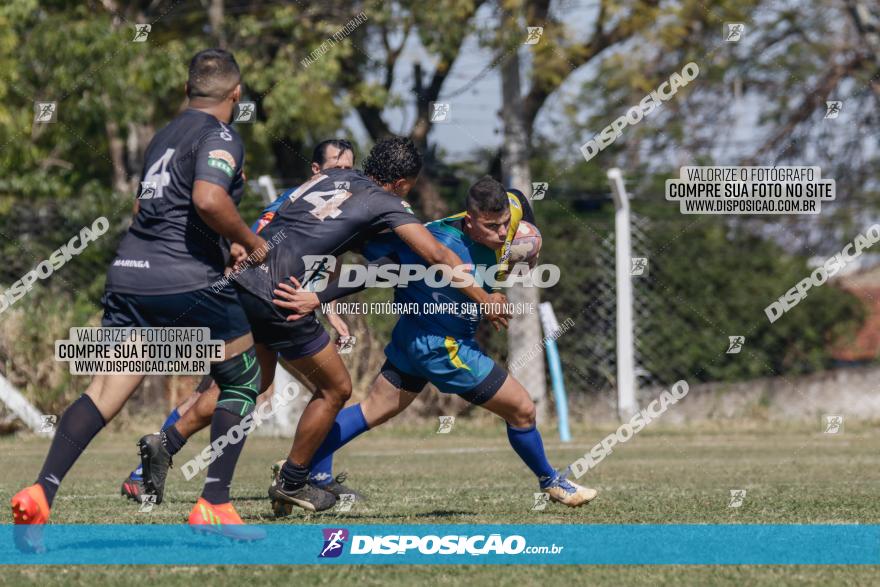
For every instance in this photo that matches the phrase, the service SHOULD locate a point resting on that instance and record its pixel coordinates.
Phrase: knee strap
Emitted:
(239, 380)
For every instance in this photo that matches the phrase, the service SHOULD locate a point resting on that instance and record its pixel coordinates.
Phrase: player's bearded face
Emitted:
(488, 228)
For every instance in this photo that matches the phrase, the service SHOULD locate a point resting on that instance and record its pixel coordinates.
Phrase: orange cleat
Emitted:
(223, 520)
(29, 506)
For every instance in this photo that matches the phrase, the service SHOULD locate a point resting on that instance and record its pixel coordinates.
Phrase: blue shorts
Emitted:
(219, 311)
(454, 365)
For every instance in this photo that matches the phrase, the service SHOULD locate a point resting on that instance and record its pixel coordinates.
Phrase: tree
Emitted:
(524, 332)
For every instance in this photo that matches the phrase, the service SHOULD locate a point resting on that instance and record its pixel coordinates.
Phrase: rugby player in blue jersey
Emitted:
(441, 348)
(335, 211)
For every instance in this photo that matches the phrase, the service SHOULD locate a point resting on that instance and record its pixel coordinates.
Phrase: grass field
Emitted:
(412, 476)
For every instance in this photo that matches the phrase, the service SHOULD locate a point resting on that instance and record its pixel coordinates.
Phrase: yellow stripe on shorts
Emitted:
(452, 350)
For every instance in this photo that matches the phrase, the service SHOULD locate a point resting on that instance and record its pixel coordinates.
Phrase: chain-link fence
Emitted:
(593, 364)
(698, 281)
(701, 286)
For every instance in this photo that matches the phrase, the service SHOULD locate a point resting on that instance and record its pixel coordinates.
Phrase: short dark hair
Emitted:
(213, 73)
(487, 195)
(319, 155)
(392, 159)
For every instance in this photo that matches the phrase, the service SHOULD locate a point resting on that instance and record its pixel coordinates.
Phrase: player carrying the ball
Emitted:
(441, 348)
(335, 211)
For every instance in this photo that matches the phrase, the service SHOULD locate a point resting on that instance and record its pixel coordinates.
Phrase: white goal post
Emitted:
(626, 376)
(16, 403)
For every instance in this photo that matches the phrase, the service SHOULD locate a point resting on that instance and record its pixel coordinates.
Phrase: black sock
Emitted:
(78, 426)
(221, 470)
(293, 476)
(173, 440)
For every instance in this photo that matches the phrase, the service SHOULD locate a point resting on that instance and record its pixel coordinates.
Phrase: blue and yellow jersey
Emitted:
(449, 232)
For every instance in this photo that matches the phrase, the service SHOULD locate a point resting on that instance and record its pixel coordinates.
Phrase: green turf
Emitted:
(412, 475)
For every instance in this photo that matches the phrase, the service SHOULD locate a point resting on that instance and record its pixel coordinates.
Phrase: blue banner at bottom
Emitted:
(444, 544)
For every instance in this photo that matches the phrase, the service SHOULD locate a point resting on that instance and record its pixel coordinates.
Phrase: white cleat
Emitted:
(569, 493)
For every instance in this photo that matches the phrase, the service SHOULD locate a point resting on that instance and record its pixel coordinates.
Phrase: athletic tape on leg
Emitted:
(239, 380)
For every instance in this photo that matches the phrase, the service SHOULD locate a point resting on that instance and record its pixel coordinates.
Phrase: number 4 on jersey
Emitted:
(156, 178)
(329, 207)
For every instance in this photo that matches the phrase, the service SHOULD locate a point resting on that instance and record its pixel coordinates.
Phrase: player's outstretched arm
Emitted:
(218, 211)
(301, 302)
(420, 240)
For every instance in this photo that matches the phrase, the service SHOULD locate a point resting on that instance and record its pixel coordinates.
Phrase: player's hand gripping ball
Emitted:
(526, 244)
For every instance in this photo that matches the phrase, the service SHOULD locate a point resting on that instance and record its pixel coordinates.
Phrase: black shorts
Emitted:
(483, 392)
(291, 339)
(203, 308)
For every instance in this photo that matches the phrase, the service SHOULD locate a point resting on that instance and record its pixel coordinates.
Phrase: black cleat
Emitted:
(308, 497)
(311, 495)
(336, 487)
(155, 461)
(133, 489)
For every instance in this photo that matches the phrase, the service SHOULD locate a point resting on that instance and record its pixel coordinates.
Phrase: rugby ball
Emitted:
(526, 244)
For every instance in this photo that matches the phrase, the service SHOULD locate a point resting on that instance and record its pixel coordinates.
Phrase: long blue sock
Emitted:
(528, 445)
(349, 424)
(174, 416)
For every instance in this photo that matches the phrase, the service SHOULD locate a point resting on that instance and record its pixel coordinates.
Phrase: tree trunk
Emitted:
(216, 13)
(136, 142)
(117, 151)
(867, 21)
(427, 197)
(524, 333)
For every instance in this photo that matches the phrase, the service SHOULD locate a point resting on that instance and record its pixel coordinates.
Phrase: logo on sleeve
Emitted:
(222, 160)
(407, 206)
